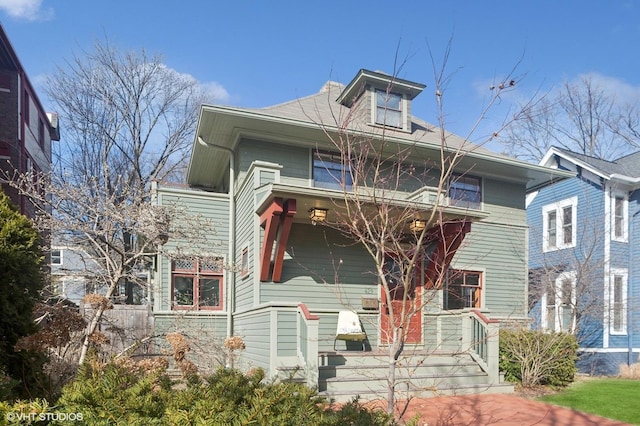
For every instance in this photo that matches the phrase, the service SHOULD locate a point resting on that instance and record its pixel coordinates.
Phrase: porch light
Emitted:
(417, 225)
(317, 214)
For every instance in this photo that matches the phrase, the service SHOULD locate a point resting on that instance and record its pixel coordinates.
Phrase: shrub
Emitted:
(126, 392)
(538, 358)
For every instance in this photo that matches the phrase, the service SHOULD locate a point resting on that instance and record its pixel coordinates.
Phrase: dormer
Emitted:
(385, 100)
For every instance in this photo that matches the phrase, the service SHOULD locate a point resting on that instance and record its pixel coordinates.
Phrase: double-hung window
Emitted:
(56, 257)
(619, 217)
(331, 171)
(618, 301)
(559, 304)
(388, 109)
(463, 289)
(197, 284)
(465, 191)
(559, 224)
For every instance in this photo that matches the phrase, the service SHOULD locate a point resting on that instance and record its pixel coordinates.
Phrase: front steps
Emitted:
(345, 374)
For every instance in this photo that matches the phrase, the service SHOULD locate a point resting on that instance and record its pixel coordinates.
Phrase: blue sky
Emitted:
(260, 53)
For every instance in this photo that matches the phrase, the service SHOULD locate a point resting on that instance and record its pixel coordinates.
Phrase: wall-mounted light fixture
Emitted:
(417, 225)
(317, 214)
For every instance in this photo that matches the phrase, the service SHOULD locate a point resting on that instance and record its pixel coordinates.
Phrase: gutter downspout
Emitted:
(232, 233)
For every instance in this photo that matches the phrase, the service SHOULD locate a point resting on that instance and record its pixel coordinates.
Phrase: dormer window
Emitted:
(388, 109)
(380, 107)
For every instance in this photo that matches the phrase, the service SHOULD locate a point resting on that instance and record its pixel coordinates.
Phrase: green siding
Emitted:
(504, 202)
(205, 334)
(212, 206)
(245, 218)
(294, 159)
(498, 251)
(323, 270)
(287, 333)
(254, 328)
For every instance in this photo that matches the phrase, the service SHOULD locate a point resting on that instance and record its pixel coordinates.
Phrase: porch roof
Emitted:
(309, 197)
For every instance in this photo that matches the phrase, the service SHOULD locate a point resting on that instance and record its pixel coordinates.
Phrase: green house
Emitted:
(277, 276)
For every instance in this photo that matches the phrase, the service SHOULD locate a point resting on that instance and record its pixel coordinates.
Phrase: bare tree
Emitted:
(129, 121)
(400, 233)
(127, 118)
(581, 116)
(121, 237)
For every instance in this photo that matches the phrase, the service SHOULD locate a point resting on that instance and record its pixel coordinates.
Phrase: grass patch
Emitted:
(612, 398)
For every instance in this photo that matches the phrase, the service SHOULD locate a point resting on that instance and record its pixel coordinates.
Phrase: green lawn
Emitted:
(617, 399)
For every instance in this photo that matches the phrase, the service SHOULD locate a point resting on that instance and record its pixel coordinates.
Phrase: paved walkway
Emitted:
(503, 410)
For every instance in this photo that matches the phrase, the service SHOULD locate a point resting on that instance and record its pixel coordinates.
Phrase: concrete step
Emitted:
(404, 370)
(401, 393)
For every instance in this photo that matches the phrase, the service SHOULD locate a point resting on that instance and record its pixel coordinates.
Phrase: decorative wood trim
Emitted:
(270, 220)
(483, 318)
(307, 315)
(286, 220)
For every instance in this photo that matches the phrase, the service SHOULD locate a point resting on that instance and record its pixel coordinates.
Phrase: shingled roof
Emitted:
(628, 165)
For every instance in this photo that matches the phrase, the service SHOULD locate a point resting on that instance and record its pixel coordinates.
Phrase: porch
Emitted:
(464, 364)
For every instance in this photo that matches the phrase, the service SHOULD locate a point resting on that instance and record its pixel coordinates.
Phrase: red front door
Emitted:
(406, 309)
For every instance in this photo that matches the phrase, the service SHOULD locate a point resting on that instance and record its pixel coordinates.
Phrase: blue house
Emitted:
(584, 274)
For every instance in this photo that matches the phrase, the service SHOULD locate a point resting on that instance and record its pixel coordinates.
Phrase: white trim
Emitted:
(606, 267)
(61, 256)
(625, 213)
(608, 350)
(557, 207)
(624, 273)
(557, 309)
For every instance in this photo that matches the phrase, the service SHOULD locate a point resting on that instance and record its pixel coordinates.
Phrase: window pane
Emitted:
(183, 291)
(567, 225)
(454, 297)
(328, 172)
(551, 229)
(214, 265)
(618, 305)
(463, 290)
(388, 109)
(619, 217)
(209, 292)
(56, 257)
(566, 291)
(184, 264)
(465, 191)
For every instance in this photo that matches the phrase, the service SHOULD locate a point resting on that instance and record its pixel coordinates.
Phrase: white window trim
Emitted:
(625, 213)
(374, 108)
(624, 273)
(544, 321)
(61, 256)
(557, 207)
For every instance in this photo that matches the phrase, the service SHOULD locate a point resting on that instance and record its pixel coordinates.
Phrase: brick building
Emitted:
(26, 130)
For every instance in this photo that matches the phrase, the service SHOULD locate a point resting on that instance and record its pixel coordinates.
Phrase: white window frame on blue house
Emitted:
(561, 225)
(561, 304)
(619, 219)
(56, 256)
(617, 299)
